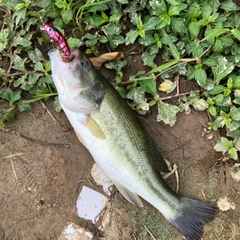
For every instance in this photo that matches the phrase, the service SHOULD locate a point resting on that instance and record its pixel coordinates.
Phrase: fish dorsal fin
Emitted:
(130, 196)
(94, 128)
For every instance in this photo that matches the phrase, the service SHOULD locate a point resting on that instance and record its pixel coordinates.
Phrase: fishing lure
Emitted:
(58, 38)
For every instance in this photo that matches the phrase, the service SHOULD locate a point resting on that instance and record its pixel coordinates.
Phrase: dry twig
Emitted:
(149, 232)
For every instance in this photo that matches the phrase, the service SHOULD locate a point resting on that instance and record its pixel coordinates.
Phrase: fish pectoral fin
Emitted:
(130, 196)
(94, 128)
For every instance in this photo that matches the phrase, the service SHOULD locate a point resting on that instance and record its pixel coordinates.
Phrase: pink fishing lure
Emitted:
(58, 38)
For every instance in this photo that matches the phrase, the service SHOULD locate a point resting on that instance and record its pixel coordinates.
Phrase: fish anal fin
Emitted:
(94, 128)
(130, 196)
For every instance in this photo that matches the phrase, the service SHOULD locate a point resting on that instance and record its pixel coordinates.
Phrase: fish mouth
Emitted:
(52, 51)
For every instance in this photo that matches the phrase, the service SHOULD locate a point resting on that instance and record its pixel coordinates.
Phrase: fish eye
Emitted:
(49, 29)
(85, 63)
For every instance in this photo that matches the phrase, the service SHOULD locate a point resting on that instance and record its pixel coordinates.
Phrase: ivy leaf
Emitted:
(194, 28)
(75, 42)
(218, 46)
(131, 36)
(36, 55)
(148, 85)
(167, 86)
(237, 97)
(148, 59)
(200, 104)
(20, 14)
(157, 7)
(10, 96)
(167, 113)
(176, 9)
(223, 68)
(67, 15)
(150, 23)
(19, 63)
(194, 11)
(235, 113)
(233, 153)
(56, 104)
(23, 106)
(236, 33)
(199, 74)
(3, 39)
(229, 6)
(223, 145)
(212, 110)
(178, 25)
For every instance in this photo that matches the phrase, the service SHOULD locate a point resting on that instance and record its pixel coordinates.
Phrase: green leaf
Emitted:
(236, 82)
(176, 9)
(223, 68)
(10, 96)
(3, 39)
(18, 40)
(211, 61)
(194, 11)
(75, 42)
(237, 143)
(236, 33)
(217, 89)
(215, 33)
(223, 145)
(149, 86)
(164, 66)
(212, 110)
(167, 113)
(9, 117)
(56, 104)
(157, 7)
(218, 46)
(150, 23)
(22, 107)
(137, 95)
(61, 3)
(178, 25)
(200, 104)
(171, 45)
(237, 97)
(200, 76)
(233, 153)
(19, 63)
(19, 14)
(235, 113)
(39, 67)
(229, 6)
(35, 55)
(214, 5)
(67, 15)
(131, 36)
(148, 59)
(194, 28)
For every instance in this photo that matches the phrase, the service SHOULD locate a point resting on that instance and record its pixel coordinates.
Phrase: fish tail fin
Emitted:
(192, 217)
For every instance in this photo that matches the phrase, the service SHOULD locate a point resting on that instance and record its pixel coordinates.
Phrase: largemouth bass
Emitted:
(110, 130)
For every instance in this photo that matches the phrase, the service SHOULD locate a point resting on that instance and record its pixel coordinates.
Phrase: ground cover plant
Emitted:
(198, 40)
